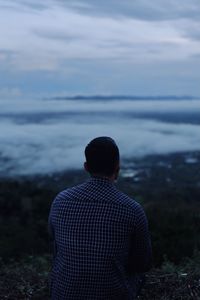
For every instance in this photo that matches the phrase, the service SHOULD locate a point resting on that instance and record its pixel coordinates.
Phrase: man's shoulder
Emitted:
(112, 197)
(68, 192)
(128, 201)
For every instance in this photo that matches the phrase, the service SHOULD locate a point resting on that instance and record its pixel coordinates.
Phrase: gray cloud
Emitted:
(190, 29)
(6, 52)
(193, 32)
(7, 92)
(113, 36)
(140, 9)
(196, 57)
(6, 57)
(155, 10)
(54, 34)
(30, 4)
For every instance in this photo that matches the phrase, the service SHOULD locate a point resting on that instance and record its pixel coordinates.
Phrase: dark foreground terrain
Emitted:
(168, 187)
(28, 279)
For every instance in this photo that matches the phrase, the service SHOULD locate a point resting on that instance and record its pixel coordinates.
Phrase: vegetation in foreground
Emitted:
(28, 279)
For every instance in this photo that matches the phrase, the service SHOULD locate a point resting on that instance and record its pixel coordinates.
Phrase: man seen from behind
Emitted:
(101, 238)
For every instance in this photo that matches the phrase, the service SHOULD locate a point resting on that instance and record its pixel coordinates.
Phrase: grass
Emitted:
(28, 279)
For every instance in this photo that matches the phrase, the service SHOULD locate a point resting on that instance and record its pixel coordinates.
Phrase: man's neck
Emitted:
(110, 178)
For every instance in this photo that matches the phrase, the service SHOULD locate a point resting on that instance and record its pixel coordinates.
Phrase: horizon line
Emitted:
(123, 97)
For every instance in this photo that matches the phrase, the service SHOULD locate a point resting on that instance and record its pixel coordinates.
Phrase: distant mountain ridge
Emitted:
(124, 97)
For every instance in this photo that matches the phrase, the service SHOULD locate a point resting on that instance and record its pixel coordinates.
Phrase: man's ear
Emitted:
(118, 168)
(86, 166)
(117, 171)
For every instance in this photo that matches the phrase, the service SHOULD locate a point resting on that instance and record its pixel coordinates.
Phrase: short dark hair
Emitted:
(102, 156)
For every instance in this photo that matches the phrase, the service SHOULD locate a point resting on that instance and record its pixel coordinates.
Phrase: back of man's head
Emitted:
(102, 156)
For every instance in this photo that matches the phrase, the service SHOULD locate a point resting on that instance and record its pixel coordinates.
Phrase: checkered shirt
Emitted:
(101, 243)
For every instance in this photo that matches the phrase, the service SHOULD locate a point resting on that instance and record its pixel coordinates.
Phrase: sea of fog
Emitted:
(47, 136)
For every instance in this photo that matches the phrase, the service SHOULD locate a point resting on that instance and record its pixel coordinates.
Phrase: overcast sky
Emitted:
(69, 47)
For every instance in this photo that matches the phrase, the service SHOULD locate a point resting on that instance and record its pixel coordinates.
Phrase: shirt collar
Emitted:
(101, 180)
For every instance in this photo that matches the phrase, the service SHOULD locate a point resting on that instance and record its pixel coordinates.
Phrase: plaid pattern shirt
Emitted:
(101, 243)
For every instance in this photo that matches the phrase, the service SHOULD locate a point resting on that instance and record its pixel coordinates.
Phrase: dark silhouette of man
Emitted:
(102, 244)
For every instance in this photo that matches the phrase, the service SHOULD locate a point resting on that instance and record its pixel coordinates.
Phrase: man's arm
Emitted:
(51, 233)
(140, 259)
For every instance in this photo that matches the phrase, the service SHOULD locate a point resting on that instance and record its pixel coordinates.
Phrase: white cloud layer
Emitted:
(90, 106)
(57, 144)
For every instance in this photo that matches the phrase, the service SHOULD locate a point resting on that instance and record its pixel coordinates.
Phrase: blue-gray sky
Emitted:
(140, 47)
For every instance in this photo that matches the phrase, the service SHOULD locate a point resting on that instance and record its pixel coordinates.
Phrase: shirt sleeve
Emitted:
(140, 255)
(51, 231)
